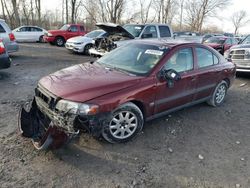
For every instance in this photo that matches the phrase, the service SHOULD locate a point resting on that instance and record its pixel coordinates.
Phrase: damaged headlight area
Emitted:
(51, 126)
(66, 106)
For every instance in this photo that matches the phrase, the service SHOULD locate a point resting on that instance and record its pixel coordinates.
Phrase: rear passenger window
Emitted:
(24, 29)
(205, 58)
(35, 29)
(164, 31)
(181, 61)
(73, 28)
(2, 29)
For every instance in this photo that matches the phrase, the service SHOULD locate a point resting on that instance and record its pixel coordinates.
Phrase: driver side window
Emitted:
(181, 61)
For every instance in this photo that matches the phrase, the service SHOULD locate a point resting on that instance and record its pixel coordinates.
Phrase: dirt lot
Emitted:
(166, 154)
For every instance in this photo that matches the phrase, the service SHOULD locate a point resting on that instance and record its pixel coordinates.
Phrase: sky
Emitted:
(222, 20)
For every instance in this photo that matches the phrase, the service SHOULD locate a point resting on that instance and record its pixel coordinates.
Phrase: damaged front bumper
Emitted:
(50, 129)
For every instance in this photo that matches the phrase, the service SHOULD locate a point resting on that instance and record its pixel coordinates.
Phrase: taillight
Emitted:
(12, 37)
(2, 48)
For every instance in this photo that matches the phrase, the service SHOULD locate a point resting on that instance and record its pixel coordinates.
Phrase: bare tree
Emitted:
(3, 9)
(166, 10)
(198, 10)
(16, 12)
(239, 19)
(67, 11)
(144, 10)
(38, 10)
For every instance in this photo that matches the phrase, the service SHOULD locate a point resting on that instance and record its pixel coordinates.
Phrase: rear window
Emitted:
(2, 29)
(164, 31)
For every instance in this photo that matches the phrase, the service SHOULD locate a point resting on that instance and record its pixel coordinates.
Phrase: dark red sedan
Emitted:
(221, 43)
(114, 96)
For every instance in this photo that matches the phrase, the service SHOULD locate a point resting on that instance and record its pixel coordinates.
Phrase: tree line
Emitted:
(180, 14)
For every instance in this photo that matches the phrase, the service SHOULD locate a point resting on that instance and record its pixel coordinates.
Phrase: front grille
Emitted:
(237, 54)
(46, 98)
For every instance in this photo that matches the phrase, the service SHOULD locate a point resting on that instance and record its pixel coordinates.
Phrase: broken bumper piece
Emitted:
(49, 129)
(41, 129)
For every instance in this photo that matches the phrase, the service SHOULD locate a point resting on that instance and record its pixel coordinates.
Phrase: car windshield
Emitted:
(246, 40)
(65, 27)
(94, 34)
(135, 30)
(138, 59)
(215, 40)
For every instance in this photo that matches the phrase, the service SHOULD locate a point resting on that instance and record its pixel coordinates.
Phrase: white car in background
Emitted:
(82, 44)
(29, 34)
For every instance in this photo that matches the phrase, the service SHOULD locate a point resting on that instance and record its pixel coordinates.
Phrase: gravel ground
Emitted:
(196, 147)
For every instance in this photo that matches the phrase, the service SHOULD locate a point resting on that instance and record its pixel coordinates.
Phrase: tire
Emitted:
(60, 41)
(86, 49)
(41, 40)
(124, 124)
(219, 94)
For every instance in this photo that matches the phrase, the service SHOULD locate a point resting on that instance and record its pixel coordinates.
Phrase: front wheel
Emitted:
(86, 49)
(219, 94)
(124, 124)
(60, 41)
(41, 40)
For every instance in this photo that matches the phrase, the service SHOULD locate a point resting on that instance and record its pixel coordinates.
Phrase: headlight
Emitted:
(76, 108)
(226, 54)
(50, 35)
(78, 43)
(247, 52)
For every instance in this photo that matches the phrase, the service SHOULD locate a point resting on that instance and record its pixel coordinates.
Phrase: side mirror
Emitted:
(170, 76)
(69, 30)
(147, 35)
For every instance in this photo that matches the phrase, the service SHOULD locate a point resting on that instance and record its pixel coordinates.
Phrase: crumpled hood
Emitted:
(112, 29)
(86, 81)
(79, 39)
(241, 46)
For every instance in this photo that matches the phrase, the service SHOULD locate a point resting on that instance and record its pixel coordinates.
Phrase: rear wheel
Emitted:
(124, 124)
(41, 40)
(60, 41)
(219, 94)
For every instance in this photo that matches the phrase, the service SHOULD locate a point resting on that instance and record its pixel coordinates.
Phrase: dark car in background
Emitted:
(240, 55)
(221, 43)
(4, 57)
(114, 96)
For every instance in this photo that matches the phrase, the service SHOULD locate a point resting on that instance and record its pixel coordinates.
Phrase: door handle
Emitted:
(193, 78)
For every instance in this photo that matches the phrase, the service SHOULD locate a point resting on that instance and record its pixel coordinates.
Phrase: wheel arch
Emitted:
(140, 105)
(60, 37)
(227, 81)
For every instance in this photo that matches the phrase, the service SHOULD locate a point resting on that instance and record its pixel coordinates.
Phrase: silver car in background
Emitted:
(8, 37)
(29, 34)
(82, 44)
